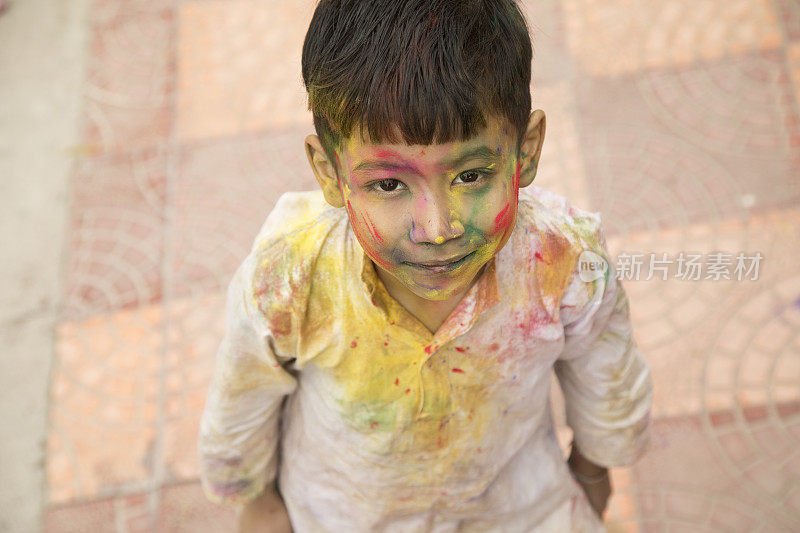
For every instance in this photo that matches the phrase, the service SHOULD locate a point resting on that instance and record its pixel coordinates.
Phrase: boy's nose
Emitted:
(437, 222)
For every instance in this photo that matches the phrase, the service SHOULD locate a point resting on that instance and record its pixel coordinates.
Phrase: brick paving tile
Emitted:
(185, 509)
(671, 147)
(130, 76)
(224, 191)
(618, 36)
(96, 516)
(196, 328)
(239, 66)
(115, 245)
(102, 427)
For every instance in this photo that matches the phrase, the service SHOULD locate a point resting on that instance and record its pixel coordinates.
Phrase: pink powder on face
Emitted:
(371, 252)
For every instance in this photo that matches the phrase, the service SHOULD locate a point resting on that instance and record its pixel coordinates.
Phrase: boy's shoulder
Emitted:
(277, 270)
(548, 213)
(295, 212)
(555, 234)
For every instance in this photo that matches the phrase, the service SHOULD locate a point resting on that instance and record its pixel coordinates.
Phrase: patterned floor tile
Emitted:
(692, 332)
(104, 404)
(686, 482)
(95, 516)
(789, 14)
(793, 60)
(551, 58)
(196, 328)
(622, 36)
(224, 193)
(671, 148)
(185, 509)
(239, 66)
(130, 76)
(621, 515)
(561, 167)
(108, 12)
(116, 238)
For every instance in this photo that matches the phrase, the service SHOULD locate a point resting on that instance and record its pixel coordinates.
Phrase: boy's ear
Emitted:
(324, 171)
(531, 148)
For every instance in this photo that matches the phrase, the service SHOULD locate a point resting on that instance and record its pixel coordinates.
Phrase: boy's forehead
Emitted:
(497, 136)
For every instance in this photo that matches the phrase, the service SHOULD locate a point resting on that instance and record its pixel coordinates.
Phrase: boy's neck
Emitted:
(432, 313)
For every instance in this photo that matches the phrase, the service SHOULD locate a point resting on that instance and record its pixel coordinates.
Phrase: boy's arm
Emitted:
(604, 377)
(240, 427)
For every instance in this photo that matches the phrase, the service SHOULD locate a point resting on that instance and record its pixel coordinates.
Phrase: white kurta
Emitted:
(372, 423)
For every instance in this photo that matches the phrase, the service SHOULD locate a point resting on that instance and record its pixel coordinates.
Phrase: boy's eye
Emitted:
(471, 176)
(387, 185)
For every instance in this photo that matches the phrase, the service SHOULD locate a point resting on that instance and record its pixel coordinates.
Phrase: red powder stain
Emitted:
(480, 450)
(397, 381)
(408, 390)
(422, 152)
(391, 323)
(502, 219)
(444, 492)
(276, 365)
(493, 346)
(458, 370)
(386, 153)
(460, 349)
(439, 441)
(386, 344)
(428, 349)
(374, 230)
(441, 425)
(365, 242)
(538, 255)
(373, 425)
(353, 344)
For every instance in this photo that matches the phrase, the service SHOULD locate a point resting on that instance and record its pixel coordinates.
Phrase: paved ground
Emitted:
(678, 119)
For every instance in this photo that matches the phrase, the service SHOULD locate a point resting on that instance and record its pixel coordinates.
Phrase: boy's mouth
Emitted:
(438, 266)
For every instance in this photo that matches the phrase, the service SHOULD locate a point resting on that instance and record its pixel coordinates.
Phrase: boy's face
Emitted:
(410, 206)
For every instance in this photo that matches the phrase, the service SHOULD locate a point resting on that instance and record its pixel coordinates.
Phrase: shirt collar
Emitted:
(482, 295)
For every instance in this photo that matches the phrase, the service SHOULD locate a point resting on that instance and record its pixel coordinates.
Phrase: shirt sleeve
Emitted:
(603, 375)
(240, 426)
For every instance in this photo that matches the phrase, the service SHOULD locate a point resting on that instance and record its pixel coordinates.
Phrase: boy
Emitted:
(390, 338)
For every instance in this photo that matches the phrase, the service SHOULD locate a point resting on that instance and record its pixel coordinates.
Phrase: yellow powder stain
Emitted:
(555, 261)
(424, 410)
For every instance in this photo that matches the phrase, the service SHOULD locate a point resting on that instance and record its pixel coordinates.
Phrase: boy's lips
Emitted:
(441, 266)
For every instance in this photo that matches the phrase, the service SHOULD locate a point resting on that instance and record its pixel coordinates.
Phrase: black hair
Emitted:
(429, 69)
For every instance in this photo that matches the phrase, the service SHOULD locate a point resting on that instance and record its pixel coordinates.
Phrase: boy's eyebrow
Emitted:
(368, 165)
(481, 152)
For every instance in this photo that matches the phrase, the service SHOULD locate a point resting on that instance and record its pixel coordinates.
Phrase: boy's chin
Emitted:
(443, 290)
